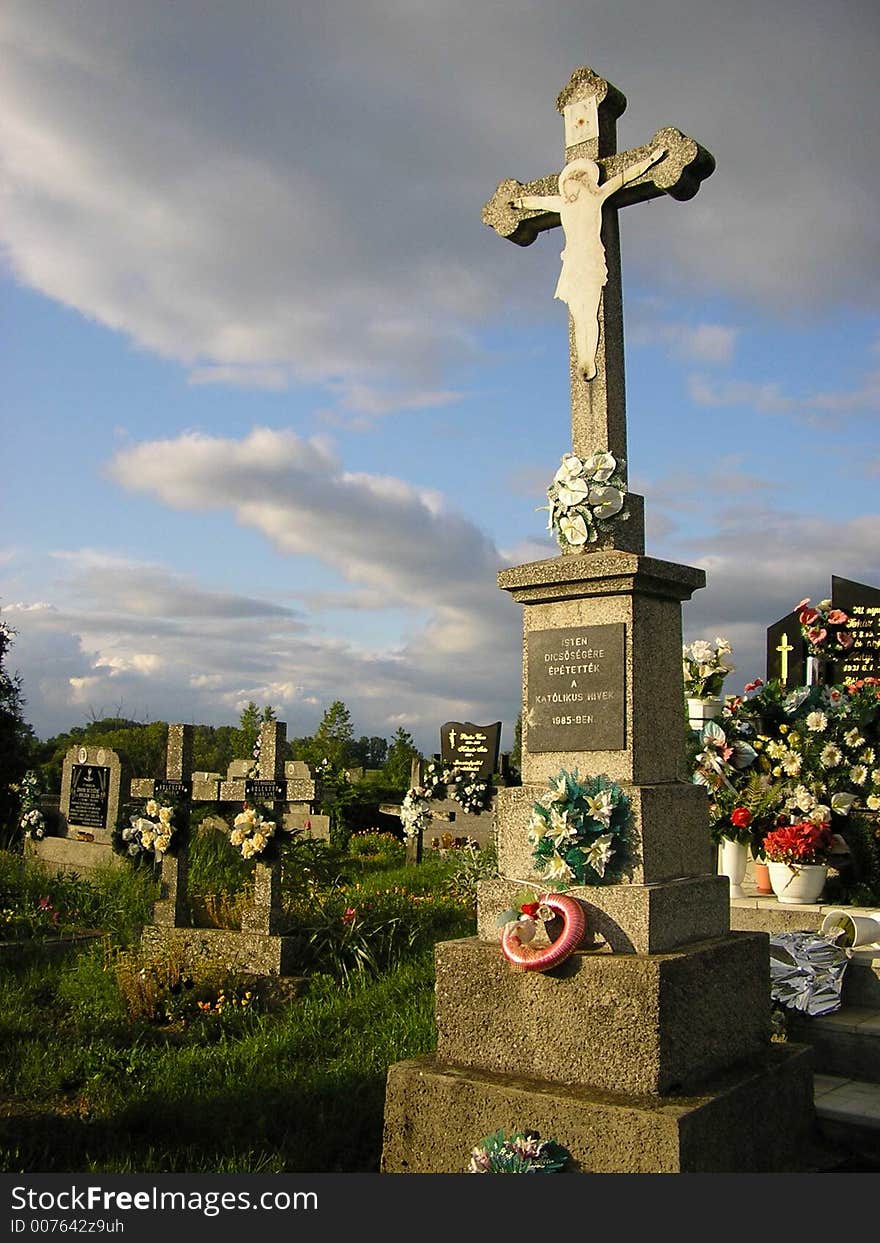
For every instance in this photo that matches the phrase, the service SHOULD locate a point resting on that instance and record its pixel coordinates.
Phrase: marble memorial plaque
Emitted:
(576, 682)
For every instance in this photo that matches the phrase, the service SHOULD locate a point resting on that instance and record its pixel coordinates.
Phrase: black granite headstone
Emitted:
(471, 748)
(862, 604)
(786, 652)
(89, 796)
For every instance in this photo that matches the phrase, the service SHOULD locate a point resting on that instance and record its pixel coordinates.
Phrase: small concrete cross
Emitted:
(784, 648)
(583, 198)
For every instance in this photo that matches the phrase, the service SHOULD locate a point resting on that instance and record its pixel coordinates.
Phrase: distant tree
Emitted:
(249, 724)
(17, 742)
(378, 752)
(401, 754)
(143, 746)
(214, 748)
(334, 737)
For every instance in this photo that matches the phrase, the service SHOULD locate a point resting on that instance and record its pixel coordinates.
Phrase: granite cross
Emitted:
(584, 199)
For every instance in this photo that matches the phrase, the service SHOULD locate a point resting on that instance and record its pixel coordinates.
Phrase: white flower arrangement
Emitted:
(152, 832)
(471, 795)
(32, 821)
(415, 811)
(585, 498)
(705, 666)
(252, 832)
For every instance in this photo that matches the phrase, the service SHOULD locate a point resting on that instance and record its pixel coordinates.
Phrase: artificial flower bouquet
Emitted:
(705, 666)
(825, 630)
(253, 833)
(153, 831)
(585, 496)
(577, 829)
(799, 843)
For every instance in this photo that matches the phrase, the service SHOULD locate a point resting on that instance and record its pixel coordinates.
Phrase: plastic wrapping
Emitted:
(806, 972)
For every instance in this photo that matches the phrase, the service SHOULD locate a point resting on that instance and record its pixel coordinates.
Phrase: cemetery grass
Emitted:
(90, 1084)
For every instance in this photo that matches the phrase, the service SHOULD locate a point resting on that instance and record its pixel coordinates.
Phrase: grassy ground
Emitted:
(113, 1064)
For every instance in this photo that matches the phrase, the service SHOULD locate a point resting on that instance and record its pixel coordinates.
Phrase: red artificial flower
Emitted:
(808, 616)
(741, 817)
(806, 600)
(530, 909)
(845, 640)
(752, 686)
(817, 635)
(350, 915)
(837, 617)
(803, 842)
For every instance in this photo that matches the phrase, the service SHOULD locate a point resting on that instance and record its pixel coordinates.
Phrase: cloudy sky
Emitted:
(278, 405)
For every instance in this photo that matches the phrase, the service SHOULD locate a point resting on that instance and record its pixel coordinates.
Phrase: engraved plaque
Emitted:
(262, 791)
(172, 788)
(862, 604)
(576, 689)
(89, 795)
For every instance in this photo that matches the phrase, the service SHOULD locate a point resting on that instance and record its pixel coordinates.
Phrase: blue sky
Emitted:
(278, 406)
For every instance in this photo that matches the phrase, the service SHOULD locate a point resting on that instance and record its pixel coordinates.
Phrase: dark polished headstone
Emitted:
(862, 604)
(89, 796)
(471, 748)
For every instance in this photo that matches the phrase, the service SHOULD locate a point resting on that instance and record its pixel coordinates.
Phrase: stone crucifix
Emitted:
(584, 198)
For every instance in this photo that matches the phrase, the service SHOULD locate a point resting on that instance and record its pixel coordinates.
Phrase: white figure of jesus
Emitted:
(584, 272)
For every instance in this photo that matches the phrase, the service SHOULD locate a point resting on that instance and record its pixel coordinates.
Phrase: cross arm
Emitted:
(679, 173)
(521, 225)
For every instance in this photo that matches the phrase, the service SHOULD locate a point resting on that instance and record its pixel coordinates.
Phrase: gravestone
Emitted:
(787, 649)
(284, 786)
(471, 748)
(94, 780)
(649, 1049)
(862, 604)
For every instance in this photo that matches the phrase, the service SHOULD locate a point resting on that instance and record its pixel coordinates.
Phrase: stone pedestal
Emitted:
(172, 908)
(649, 1049)
(264, 915)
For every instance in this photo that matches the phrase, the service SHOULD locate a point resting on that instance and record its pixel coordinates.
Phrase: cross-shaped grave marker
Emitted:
(172, 910)
(584, 199)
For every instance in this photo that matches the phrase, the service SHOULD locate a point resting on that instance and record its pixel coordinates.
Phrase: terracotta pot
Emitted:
(762, 877)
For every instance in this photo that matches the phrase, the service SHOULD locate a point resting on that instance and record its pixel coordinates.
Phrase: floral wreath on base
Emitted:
(253, 833)
(585, 498)
(156, 829)
(523, 1153)
(575, 829)
(32, 821)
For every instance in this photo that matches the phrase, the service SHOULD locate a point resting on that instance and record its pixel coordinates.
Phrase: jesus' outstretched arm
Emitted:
(539, 202)
(630, 174)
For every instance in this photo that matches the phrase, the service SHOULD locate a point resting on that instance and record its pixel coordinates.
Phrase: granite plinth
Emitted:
(66, 854)
(753, 1120)
(639, 1024)
(224, 949)
(629, 919)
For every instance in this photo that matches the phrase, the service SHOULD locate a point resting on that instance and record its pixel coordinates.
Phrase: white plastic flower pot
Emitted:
(851, 931)
(732, 862)
(702, 710)
(797, 884)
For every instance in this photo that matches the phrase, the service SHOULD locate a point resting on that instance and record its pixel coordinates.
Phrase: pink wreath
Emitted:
(529, 958)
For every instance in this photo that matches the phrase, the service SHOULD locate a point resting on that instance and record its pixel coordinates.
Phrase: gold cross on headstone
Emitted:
(584, 199)
(784, 648)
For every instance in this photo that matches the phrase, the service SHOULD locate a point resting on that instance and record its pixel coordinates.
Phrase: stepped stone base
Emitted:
(249, 952)
(757, 1120)
(66, 854)
(625, 1023)
(630, 919)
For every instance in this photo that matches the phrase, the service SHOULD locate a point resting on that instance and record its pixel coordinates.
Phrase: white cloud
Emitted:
(768, 398)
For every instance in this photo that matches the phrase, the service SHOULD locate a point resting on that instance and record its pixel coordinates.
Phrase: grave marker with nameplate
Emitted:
(862, 604)
(471, 748)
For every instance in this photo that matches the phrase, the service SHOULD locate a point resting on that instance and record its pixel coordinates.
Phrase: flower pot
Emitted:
(702, 710)
(798, 883)
(761, 873)
(851, 931)
(732, 863)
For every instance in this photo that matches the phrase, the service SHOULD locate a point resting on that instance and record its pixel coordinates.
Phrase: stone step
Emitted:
(845, 1043)
(848, 1117)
